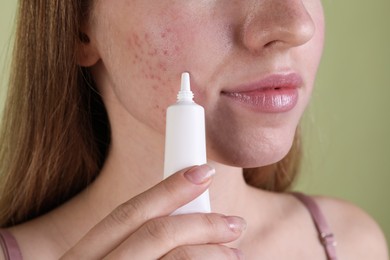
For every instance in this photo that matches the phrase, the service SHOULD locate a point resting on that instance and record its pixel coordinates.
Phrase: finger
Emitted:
(160, 200)
(161, 235)
(204, 252)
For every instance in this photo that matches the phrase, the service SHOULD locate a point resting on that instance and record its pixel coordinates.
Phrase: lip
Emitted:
(275, 93)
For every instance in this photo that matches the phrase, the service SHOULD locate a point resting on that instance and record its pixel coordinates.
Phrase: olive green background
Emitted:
(347, 126)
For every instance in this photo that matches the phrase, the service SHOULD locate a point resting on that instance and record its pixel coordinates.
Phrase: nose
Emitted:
(277, 23)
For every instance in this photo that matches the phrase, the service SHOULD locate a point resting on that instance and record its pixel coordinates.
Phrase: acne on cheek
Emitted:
(153, 56)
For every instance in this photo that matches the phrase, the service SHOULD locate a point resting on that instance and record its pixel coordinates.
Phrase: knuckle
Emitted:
(127, 212)
(211, 221)
(169, 189)
(162, 230)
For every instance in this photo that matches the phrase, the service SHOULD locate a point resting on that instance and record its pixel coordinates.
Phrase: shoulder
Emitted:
(358, 236)
(6, 240)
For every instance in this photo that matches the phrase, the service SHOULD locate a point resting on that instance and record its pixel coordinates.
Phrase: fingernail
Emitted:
(236, 224)
(199, 174)
(238, 252)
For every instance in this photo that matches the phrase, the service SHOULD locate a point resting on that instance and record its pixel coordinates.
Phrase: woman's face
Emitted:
(252, 66)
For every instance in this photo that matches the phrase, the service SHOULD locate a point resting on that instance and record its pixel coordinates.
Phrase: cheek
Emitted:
(308, 56)
(154, 64)
(170, 44)
(319, 21)
(157, 51)
(143, 66)
(317, 44)
(151, 60)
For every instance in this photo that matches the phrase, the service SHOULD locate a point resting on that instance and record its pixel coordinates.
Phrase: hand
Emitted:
(141, 228)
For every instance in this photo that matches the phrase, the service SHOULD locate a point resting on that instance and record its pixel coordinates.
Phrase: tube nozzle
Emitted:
(185, 93)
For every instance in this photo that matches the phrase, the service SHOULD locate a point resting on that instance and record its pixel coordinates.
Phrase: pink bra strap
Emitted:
(326, 235)
(10, 246)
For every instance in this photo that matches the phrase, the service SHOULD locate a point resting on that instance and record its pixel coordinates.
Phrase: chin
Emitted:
(250, 151)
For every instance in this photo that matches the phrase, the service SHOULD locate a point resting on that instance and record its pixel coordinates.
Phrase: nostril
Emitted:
(269, 44)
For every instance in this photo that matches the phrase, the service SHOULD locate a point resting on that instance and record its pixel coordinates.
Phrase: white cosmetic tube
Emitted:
(185, 141)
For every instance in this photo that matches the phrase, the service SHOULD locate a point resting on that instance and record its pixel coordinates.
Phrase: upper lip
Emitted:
(273, 81)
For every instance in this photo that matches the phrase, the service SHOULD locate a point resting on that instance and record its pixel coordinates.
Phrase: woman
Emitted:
(83, 134)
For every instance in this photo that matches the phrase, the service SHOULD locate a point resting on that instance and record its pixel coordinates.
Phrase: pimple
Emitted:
(137, 41)
(162, 66)
(145, 74)
(147, 38)
(165, 32)
(153, 52)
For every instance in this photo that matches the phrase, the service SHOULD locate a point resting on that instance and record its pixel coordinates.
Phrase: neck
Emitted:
(135, 165)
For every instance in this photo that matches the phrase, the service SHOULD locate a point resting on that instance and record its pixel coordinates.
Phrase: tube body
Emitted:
(185, 146)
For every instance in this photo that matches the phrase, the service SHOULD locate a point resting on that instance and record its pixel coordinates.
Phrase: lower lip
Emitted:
(266, 100)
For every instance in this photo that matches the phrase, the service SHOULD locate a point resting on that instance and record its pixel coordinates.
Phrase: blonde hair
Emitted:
(55, 131)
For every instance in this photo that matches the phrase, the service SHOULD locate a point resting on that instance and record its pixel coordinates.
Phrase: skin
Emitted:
(142, 61)
(137, 51)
